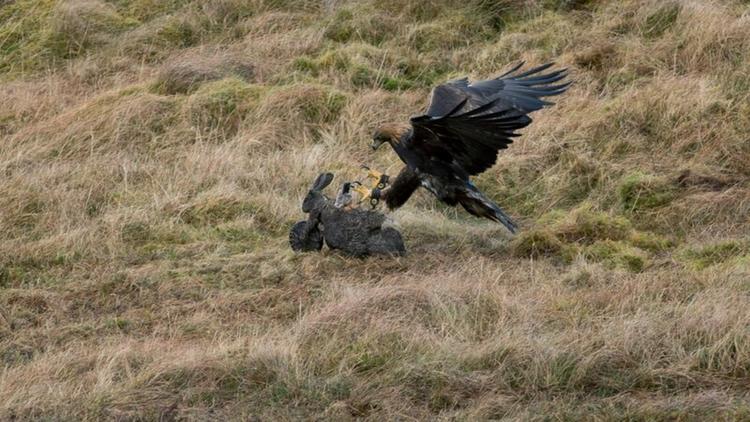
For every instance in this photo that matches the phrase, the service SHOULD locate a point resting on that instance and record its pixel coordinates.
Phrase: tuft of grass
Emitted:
(185, 73)
(358, 24)
(651, 242)
(136, 232)
(211, 209)
(156, 39)
(537, 243)
(567, 4)
(220, 106)
(76, 26)
(452, 32)
(315, 104)
(617, 254)
(22, 34)
(706, 256)
(366, 67)
(596, 236)
(640, 192)
(126, 120)
(585, 225)
(658, 22)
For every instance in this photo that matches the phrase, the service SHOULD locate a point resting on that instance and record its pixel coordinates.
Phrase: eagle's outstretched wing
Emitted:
(468, 123)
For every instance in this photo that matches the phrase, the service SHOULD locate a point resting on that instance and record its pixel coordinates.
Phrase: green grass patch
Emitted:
(537, 243)
(215, 209)
(352, 24)
(617, 255)
(702, 257)
(447, 33)
(639, 192)
(316, 103)
(364, 66)
(598, 236)
(77, 26)
(23, 26)
(220, 106)
(651, 242)
(661, 20)
(585, 225)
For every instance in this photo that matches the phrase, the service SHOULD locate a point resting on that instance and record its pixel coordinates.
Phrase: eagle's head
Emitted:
(390, 133)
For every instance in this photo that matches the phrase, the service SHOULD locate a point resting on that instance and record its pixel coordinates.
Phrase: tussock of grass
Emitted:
(642, 192)
(368, 66)
(302, 108)
(449, 32)
(705, 256)
(186, 73)
(22, 25)
(157, 38)
(617, 254)
(78, 25)
(595, 236)
(585, 225)
(538, 243)
(360, 24)
(124, 120)
(218, 107)
(661, 20)
(154, 154)
(651, 242)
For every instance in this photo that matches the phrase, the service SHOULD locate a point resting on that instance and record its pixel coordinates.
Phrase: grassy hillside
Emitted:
(154, 155)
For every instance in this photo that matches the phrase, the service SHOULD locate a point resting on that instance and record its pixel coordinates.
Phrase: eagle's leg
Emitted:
(363, 191)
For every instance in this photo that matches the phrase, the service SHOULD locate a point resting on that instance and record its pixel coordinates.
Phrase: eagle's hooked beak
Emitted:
(376, 143)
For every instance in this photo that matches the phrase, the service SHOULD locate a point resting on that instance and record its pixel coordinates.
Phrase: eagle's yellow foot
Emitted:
(367, 194)
(363, 191)
(377, 179)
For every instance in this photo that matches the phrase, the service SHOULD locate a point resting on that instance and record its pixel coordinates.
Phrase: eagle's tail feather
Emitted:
(479, 205)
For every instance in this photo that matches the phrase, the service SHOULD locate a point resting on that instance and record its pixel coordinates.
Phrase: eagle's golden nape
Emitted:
(388, 133)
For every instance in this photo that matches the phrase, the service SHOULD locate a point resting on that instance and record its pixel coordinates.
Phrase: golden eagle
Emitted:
(460, 134)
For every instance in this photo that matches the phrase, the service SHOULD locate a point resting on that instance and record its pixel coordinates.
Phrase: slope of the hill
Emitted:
(154, 154)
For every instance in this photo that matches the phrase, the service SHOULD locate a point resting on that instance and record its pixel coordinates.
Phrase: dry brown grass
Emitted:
(154, 155)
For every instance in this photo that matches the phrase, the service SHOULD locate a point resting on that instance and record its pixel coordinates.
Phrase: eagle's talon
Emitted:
(364, 192)
(376, 177)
